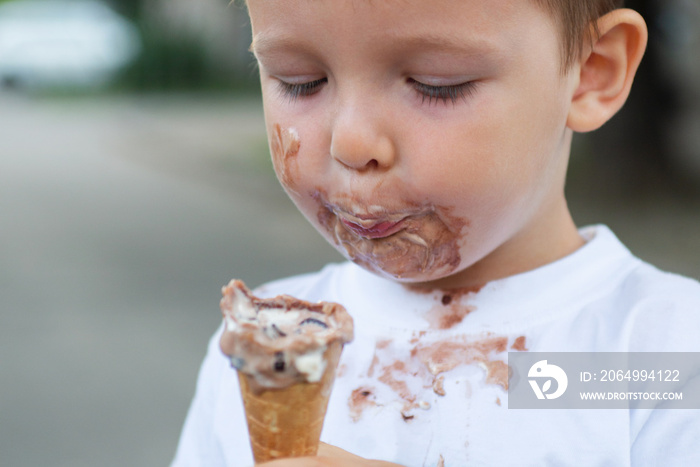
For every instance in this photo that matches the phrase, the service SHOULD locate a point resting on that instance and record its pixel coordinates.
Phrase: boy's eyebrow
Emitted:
(445, 42)
(264, 43)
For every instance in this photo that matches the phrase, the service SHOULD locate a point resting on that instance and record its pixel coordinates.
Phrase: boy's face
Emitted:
(427, 141)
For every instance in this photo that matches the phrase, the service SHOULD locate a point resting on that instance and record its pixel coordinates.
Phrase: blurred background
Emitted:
(135, 182)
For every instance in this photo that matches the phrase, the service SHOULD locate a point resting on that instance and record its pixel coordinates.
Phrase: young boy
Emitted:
(428, 141)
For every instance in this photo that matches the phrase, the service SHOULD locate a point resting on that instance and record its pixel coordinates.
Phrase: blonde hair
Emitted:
(577, 21)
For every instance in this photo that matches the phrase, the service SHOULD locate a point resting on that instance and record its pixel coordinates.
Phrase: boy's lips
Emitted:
(374, 230)
(373, 223)
(400, 240)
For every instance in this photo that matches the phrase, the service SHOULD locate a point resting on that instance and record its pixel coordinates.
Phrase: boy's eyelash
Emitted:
(450, 93)
(293, 91)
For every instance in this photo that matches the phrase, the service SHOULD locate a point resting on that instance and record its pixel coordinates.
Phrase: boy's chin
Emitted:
(409, 270)
(425, 249)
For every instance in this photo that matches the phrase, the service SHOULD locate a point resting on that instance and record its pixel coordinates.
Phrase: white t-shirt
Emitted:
(393, 400)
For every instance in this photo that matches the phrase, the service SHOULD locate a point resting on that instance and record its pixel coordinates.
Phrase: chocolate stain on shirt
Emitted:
(451, 309)
(400, 387)
(416, 338)
(425, 367)
(439, 385)
(519, 344)
(373, 365)
(284, 146)
(361, 399)
(446, 355)
(381, 344)
(496, 373)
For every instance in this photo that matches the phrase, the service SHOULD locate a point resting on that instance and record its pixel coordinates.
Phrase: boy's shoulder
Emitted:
(663, 310)
(637, 307)
(629, 288)
(647, 281)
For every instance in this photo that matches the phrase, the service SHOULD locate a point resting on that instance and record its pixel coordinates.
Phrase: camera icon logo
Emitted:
(546, 372)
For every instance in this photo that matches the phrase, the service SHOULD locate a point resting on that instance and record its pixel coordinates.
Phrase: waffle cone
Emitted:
(287, 422)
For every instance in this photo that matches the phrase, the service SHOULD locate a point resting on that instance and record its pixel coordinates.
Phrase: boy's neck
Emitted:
(548, 239)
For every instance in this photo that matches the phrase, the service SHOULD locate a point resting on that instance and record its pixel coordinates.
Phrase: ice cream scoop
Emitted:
(286, 352)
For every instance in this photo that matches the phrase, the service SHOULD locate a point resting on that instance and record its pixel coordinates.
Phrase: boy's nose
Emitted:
(358, 144)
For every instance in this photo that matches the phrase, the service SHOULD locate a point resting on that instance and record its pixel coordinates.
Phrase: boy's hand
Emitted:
(328, 456)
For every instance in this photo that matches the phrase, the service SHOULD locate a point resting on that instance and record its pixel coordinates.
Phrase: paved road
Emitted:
(120, 219)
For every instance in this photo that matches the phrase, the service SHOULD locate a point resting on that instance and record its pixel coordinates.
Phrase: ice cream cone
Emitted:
(287, 422)
(286, 351)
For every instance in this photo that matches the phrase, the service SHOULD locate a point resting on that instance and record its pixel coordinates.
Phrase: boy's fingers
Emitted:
(326, 450)
(341, 457)
(326, 454)
(330, 456)
(314, 462)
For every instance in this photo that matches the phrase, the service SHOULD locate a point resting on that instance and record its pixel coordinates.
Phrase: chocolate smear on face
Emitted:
(284, 147)
(427, 246)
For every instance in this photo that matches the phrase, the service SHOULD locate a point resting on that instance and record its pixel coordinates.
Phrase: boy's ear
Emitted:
(607, 69)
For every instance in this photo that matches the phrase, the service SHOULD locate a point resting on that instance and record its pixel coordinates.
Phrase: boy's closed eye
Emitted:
(294, 91)
(428, 92)
(444, 93)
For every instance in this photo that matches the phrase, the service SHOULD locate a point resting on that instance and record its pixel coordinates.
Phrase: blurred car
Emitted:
(59, 43)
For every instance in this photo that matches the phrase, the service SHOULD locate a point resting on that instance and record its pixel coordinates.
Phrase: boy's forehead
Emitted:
(476, 25)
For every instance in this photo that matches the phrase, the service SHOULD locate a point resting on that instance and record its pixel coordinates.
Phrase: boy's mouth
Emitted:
(374, 223)
(374, 230)
(410, 242)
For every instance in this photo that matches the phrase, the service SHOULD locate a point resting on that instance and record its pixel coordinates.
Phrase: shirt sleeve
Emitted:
(668, 321)
(669, 437)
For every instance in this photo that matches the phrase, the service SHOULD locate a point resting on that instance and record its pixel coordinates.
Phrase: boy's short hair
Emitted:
(577, 22)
